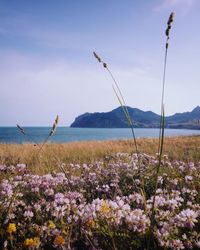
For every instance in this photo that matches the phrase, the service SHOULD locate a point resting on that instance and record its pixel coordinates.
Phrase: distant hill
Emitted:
(141, 119)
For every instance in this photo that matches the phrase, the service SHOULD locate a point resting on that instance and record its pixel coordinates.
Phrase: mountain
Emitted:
(190, 120)
(141, 119)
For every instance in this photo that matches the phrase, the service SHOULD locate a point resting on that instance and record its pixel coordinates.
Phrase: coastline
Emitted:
(67, 135)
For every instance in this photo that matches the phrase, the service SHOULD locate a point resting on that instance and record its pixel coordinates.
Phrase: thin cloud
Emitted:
(184, 5)
(59, 82)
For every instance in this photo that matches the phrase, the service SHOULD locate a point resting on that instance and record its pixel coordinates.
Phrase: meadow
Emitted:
(99, 195)
(184, 148)
(116, 195)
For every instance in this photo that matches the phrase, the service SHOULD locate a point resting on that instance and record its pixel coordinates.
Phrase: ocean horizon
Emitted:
(68, 134)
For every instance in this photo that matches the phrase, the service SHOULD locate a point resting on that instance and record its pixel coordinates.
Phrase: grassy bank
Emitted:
(180, 148)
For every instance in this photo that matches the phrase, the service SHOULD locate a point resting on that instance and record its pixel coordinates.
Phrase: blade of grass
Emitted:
(21, 129)
(120, 99)
(167, 33)
(152, 216)
(29, 137)
(161, 132)
(128, 119)
(52, 131)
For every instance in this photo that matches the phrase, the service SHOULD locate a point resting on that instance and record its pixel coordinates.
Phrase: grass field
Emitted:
(41, 161)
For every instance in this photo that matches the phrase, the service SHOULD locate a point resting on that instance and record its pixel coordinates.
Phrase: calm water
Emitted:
(64, 134)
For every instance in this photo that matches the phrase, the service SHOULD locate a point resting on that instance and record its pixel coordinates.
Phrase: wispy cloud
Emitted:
(183, 5)
(46, 58)
(60, 83)
(61, 40)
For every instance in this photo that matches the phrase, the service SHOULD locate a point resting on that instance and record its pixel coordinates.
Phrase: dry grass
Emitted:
(185, 148)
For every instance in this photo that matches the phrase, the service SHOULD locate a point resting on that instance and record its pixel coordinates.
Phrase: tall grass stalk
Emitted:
(29, 137)
(120, 98)
(161, 131)
(152, 215)
(40, 147)
(167, 33)
(52, 131)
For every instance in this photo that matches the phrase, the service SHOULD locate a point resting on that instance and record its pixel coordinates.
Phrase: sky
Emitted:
(47, 66)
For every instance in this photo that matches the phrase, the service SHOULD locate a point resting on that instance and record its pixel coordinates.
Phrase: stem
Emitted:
(44, 142)
(163, 92)
(57, 160)
(90, 241)
(113, 243)
(124, 107)
(161, 132)
(152, 218)
(69, 239)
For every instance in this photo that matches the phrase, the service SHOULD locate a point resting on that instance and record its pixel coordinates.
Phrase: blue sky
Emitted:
(47, 66)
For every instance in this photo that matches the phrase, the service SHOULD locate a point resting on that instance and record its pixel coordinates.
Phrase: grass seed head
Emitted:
(105, 65)
(169, 24)
(57, 119)
(53, 130)
(171, 18)
(97, 57)
(21, 129)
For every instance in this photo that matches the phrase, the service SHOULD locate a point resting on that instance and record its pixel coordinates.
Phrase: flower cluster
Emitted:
(105, 205)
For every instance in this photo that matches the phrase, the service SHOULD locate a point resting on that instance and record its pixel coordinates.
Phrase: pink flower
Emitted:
(28, 214)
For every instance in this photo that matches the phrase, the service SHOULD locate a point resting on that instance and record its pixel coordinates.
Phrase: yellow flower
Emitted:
(11, 228)
(32, 242)
(51, 225)
(91, 223)
(65, 230)
(36, 241)
(29, 242)
(105, 208)
(59, 240)
(62, 222)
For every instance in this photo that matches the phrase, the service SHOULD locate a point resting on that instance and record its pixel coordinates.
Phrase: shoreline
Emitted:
(69, 135)
(49, 142)
(100, 141)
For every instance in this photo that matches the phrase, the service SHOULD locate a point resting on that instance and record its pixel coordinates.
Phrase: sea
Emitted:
(67, 134)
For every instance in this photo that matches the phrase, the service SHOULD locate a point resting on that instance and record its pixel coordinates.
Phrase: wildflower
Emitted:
(28, 214)
(105, 208)
(59, 240)
(177, 244)
(51, 225)
(6, 188)
(91, 223)
(198, 243)
(29, 242)
(188, 178)
(11, 228)
(60, 199)
(36, 241)
(32, 242)
(21, 168)
(137, 220)
(187, 218)
(49, 192)
(65, 230)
